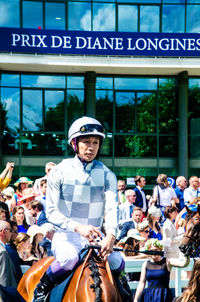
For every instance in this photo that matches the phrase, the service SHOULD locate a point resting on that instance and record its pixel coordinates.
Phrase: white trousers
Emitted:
(66, 247)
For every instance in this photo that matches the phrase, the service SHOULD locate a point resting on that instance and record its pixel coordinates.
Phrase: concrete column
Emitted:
(183, 124)
(90, 93)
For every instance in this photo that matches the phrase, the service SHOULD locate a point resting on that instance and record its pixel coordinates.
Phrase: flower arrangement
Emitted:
(155, 243)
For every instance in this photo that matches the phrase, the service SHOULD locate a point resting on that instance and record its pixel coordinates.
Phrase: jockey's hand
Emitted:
(107, 244)
(88, 231)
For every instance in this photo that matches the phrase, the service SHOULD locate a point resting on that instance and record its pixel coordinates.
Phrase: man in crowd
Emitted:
(140, 195)
(37, 182)
(36, 209)
(132, 223)
(181, 185)
(43, 191)
(192, 191)
(121, 186)
(7, 270)
(125, 210)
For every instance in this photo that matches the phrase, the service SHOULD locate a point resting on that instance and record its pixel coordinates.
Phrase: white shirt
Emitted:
(189, 194)
(166, 195)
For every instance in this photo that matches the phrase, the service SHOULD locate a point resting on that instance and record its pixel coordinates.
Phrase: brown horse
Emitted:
(191, 238)
(92, 281)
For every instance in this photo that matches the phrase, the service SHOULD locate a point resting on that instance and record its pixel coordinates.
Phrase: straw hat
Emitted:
(28, 193)
(132, 233)
(23, 180)
(9, 191)
(34, 230)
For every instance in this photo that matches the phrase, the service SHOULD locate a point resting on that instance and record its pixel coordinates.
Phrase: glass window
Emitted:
(10, 80)
(141, 1)
(135, 146)
(149, 18)
(33, 9)
(192, 23)
(103, 17)
(75, 105)
(127, 18)
(193, 1)
(104, 109)
(10, 119)
(75, 82)
(43, 81)
(104, 83)
(168, 146)
(124, 112)
(32, 110)
(9, 13)
(174, 1)
(135, 83)
(33, 144)
(194, 140)
(175, 13)
(167, 110)
(79, 16)
(54, 110)
(146, 112)
(194, 109)
(55, 15)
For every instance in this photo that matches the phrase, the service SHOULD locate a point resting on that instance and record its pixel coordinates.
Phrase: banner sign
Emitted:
(22, 40)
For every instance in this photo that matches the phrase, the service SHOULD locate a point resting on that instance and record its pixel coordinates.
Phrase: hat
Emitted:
(191, 207)
(9, 191)
(28, 193)
(34, 230)
(47, 227)
(154, 211)
(132, 233)
(143, 225)
(23, 180)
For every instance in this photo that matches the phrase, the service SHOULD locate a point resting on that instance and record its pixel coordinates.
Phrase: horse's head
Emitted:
(191, 237)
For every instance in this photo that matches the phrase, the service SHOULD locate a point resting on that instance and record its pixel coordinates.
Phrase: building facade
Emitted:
(149, 104)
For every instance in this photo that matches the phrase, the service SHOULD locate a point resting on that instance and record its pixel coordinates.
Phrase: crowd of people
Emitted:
(31, 229)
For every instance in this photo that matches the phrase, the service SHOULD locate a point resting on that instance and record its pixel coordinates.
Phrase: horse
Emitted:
(92, 281)
(191, 238)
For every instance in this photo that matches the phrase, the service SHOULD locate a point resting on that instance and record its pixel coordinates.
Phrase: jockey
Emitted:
(81, 191)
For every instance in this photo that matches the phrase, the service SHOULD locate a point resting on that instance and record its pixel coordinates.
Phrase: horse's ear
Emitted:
(198, 208)
(188, 210)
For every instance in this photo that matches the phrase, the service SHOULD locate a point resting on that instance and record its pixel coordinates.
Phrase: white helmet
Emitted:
(85, 126)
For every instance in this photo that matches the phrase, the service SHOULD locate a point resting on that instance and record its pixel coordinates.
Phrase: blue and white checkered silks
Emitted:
(81, 195)
(78, 194)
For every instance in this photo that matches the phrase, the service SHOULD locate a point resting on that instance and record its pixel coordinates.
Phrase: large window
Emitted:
(108, 15)
(140, 118)
(35, 116)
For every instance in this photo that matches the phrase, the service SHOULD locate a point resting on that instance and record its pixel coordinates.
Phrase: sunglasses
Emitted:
(146, 231)
(91, 128)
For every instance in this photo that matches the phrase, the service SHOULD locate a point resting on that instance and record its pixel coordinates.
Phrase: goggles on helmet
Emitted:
(91, 128)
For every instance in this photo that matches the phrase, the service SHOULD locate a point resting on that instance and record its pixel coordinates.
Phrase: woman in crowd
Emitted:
(170, 233)
(19, 218)
(23, 246)
(9, 199)
(163, 194)
(192, 291)
(131, 242)
(157, 272)
(153, 217)
(144, 230)
(21, 184)
(36, 234)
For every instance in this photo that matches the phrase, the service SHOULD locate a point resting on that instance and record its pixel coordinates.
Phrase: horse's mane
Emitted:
(190, 215)
(96, 278)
